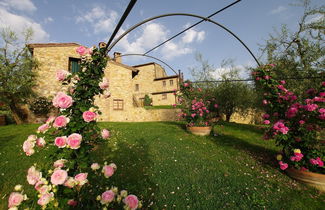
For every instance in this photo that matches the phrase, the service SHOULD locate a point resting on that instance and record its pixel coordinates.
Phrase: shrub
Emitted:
(40, 106)
(147, 101)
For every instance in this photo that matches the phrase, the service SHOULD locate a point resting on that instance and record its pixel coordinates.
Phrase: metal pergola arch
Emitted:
(180, 14)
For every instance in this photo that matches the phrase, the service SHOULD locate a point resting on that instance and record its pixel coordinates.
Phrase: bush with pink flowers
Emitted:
(296, 122)
(72, 179)
(197, 107)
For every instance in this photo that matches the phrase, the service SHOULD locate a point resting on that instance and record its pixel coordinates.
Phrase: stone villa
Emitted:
(128, 84)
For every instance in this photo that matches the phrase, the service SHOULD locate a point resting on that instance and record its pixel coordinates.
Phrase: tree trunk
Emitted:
(17, 114)
(228, 117)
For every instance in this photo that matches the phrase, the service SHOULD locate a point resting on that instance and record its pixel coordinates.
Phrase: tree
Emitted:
(299, 54)
(16, 72)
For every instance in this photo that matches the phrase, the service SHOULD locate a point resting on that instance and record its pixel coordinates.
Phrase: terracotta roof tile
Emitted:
(52, 45)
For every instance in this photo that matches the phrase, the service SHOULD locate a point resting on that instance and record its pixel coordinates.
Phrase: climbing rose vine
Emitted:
(295, 122)
(71, 179)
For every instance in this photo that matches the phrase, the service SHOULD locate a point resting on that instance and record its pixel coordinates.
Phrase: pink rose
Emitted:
(104, 84)
(74, 140)
(283, 165)
(131, 201)
(50, 120)
(81, 178)
(90, 50)
(105, 134)
(62, 100)
(266, 116)
(313, 161)
(72, 203)
(43, 128)
(320, 162)
(60, 141)
(70, 183)
(61, 74)
(266, 122)
(45, 199)
(28, 147)
(89, 116)
(107, 94)
(40, 142)
(95, 166)
(44, 189)
(108, 171)
(81, 50)
(15, 199)
(59, 177)
(59, 163)
(33, 175)
(301, 122)
(186, 84)
(61, 121)
(107, 197)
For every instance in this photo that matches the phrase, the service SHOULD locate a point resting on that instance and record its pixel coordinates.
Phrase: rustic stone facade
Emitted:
(128, 84)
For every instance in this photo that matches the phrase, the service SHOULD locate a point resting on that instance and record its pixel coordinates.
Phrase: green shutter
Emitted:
(75, 66)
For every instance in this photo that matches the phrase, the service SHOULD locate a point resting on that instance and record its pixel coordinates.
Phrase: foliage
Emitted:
(147, 101)
(295, 121)
(162, 107)
(40, 106)
(198, 109)
(17, 77)
(70, 179)
(170, 169)
(299, 54)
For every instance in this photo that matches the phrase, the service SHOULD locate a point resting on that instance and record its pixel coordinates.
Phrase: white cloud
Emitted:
(102, 20)
(193, 35)
(19, 23)
(23, 5)
(171, 49)
(278, 10)
(48, 20)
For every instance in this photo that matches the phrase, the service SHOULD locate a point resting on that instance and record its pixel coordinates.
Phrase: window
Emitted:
(171, 82)
(136, 87)
(74, 65)
(164, 83)
(118, 104)
(164, 96)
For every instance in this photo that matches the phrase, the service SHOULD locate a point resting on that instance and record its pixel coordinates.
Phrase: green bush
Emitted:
(147, 101)
(40, 106)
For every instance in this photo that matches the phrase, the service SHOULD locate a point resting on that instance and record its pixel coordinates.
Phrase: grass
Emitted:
(171, 169)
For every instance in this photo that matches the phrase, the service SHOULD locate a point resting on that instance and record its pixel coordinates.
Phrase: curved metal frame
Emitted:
(182, 14)
(152, 58)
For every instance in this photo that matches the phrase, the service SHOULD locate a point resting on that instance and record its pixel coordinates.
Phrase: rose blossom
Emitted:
(266, 122)
(61, 121)
(44, 189)
(108, 170)
(61, 74)
(107, 197)
(81, 50)
(45, 199)
(59, 176)
(33, 175)
(283, 165)
(60, 141)
(28, 147)
(95, 166)
(40, 142)
(105, 134)
(62, 100)
(72, 202)
(70, 183)
(89, 116)
(81, 178)
(74, 141)
(59, 163)
(15, 199)
(104, 84)
(43, 128)
(131, 201)
(50, 120)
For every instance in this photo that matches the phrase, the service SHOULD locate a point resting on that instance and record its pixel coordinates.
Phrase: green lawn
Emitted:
(169, 168)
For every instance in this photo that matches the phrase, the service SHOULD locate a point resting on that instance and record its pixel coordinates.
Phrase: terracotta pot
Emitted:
(312, 179)
(200, 131)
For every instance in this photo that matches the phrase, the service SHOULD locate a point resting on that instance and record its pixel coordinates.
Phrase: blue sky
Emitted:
(88, 22)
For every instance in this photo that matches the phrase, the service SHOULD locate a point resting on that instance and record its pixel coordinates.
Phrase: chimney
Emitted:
(117, 57)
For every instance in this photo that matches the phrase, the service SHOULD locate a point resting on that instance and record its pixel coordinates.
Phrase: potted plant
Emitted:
(197, 109)
(296, 124)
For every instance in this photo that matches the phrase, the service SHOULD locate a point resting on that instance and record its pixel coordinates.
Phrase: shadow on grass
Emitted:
(258, 129)
(133, 170)
(263, 155)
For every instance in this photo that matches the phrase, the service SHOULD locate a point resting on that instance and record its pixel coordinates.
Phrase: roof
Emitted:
(35, 45)
(146, 64)
(124, 66)
(167, 77)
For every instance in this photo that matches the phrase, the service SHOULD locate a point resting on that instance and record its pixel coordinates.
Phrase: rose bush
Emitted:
(295, 122)
(72, 179)
(198, 109)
